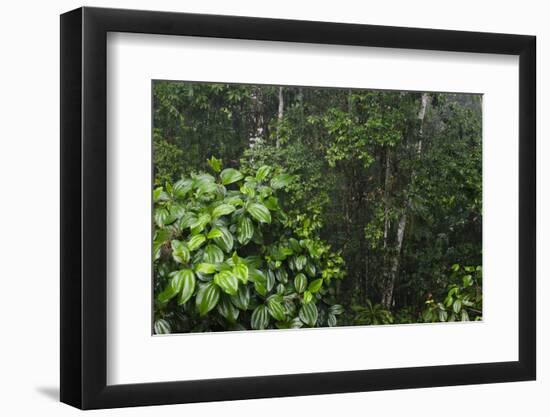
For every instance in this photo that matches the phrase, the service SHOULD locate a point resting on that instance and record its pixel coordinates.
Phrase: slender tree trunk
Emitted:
(257, 114)
(387, 295)
(280, 116)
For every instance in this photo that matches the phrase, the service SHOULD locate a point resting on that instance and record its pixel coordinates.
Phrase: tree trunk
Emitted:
(387, 294)
(280, 115)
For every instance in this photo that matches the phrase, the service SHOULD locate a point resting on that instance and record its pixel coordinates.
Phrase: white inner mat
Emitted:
(135, 356)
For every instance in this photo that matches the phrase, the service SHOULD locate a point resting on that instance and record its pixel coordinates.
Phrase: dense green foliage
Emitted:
(386, 184)
(227, 258)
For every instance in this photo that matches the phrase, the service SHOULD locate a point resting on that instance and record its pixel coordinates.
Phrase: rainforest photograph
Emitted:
(293, 207)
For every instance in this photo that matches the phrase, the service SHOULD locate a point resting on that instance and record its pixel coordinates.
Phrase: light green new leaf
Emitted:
(207, 297)
(227, 282)
(230, 175)
(222, 210)
(315, 285)
(172, 289)
(215, 164)
(205, 268)
(240, 271)
(260, 318)
(188, 285)
(307, 297)
(260, 212)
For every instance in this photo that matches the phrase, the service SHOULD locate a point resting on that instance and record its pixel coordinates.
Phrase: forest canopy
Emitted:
(288, 207)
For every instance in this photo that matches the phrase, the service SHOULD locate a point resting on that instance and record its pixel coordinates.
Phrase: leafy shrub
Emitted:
(226, 257)
(371, 314)
(464, 298)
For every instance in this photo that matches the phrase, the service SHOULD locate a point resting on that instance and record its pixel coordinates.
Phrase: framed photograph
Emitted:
(256, 208)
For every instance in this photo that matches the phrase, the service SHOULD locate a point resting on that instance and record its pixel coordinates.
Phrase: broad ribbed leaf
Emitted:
(260, 288)
(241, 272)
(161, 216)
(228, 310)
(331, 320)
(242, 298)
(180, 253)
(205, 268)
(222, 210)
(315, 285)
(188, 285)
(214, 233)
(260, 318)
(212, 254)
(227, 282)
(308, 314)
(225, 241)
(310, 269)
(182, 187)
(300, 283)
(336, 309)
(173, 288)
(269, 280)
(300, 262)
(245, 230)
(262, 172)
(260, 212)
(200, 223)
(196, 242)
(207, 297)
(230, 175)
(457, 306)
(307, 297)
(276, 309)
(281, 275)
(281, 181)
(162, 327)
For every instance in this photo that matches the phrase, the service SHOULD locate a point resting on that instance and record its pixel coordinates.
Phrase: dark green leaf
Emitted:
(207, 297)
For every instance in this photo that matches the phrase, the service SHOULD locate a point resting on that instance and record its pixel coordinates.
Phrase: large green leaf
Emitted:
(276, 309)
(300, 283)
(228, 310)
(245, 230)
(308, 314)
(188, 285)
(196, 242)
(227, 282)
(222, 210)
(300, 262)
(260, 212)
(242, 298)
(263, 172)
(172, 289)
(230, 175)
(205, 268)
(225, 241)
(207, 297)
(180, 253)
(281, 181)
(260, 318)
(212, 254)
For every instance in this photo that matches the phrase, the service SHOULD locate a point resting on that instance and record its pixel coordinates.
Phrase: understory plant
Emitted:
(227, 257)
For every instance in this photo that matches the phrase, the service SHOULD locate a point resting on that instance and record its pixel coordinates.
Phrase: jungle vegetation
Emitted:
(288, 207)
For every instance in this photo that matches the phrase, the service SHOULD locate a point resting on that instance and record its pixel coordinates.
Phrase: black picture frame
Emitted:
(84, 207)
